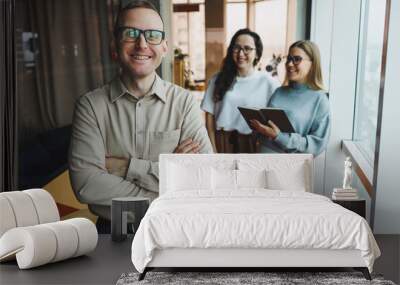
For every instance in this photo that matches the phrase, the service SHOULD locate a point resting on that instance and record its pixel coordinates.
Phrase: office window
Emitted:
(271, 23)
(188, 30)
(369, 77)
(268, 18)
(236, 18)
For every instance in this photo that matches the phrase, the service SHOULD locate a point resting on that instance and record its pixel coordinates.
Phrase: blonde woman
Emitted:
(303, 98)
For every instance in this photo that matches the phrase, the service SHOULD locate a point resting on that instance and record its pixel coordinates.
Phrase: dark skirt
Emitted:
(234, 142)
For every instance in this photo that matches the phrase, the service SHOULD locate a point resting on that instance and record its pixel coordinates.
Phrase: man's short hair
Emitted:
(132, 5)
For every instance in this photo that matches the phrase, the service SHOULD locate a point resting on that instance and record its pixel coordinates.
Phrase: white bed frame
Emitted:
(234, 257)
(256, 258)
(250, 258)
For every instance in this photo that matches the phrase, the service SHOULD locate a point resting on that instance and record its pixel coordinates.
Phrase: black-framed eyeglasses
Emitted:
(246, 49)
(296, 59)
(131, 35)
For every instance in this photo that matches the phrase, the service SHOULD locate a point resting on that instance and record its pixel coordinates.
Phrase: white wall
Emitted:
(321, 29)
(335, 26)
(321, 33)
(387, 203)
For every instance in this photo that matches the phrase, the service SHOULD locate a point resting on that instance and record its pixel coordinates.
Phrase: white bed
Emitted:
(221, 211)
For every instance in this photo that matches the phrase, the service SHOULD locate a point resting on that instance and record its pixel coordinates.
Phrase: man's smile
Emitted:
(140, 57)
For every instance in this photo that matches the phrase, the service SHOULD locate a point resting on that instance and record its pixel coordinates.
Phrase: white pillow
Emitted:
(183, 177)
(227, 179)
(224, 179)
(251, 178)
(283, 173)
(293, 178)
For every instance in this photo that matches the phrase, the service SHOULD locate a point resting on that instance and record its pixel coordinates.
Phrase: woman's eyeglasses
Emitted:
(296, 59)
(246, 49)
(131, 35)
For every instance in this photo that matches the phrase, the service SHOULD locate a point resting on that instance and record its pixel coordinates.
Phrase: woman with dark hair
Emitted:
(239, 83)
(304, 100)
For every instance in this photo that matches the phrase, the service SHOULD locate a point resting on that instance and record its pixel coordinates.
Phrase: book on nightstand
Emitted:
(345, 194)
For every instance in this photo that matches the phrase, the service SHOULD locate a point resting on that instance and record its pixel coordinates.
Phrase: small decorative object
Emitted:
(348, 173)
(347, 192)
(272, 66)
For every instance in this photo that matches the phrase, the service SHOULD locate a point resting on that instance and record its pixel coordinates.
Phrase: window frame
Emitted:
(366, 169)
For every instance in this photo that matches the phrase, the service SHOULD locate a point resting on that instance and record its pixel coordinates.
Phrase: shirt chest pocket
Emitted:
(163, 142)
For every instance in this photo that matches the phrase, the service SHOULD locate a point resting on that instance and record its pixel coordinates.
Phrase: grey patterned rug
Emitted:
(243, 278)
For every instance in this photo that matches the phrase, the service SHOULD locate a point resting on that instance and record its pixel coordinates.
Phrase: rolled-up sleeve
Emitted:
(90, 180)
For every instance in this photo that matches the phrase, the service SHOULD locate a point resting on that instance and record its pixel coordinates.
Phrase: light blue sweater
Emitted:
(308, 111)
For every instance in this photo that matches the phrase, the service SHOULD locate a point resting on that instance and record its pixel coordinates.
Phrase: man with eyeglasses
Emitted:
(120, 129)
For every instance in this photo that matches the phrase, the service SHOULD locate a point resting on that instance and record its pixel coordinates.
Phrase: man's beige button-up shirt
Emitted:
(110, 121)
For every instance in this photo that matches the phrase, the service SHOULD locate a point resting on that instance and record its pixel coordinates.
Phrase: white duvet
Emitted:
(252, 218)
